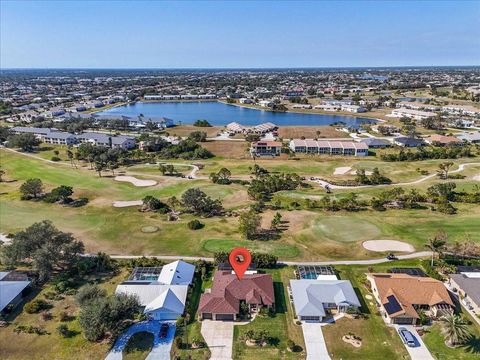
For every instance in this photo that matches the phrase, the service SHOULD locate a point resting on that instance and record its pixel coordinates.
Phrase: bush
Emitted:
(79, 202)
(62, 329)
(290, 344)
(195, 225)
(88, 293)
(37, 305)
(55, 158)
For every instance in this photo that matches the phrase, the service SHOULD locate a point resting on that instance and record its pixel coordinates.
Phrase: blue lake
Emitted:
(219, 114)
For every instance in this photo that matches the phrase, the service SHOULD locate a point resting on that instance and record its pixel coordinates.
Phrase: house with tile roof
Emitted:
(402, 296)
(223, 300)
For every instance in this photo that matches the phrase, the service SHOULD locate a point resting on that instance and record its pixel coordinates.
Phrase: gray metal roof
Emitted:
(471, 286)
(310, 295)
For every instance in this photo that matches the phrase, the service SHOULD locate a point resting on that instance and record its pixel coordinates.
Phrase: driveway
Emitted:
(420, 352)
(161, 347)
(314, 341)
(219, 337)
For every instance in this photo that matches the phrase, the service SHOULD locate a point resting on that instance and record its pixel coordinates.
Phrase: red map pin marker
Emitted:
(240, 260)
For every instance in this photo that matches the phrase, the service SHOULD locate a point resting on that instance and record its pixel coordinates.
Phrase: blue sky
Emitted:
(164, 34)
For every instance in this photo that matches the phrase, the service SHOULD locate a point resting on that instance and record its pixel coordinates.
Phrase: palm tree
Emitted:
(437, 243)
(454, 329)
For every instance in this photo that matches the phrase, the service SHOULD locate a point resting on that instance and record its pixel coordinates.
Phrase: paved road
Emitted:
(327, 262)
(314, 341)
(219, 337)
(420, 352)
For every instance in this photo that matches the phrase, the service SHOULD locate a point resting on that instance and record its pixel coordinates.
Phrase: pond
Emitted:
(220, 114)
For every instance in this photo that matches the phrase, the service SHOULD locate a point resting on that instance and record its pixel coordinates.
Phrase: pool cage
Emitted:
(145, 273)
(313, 271)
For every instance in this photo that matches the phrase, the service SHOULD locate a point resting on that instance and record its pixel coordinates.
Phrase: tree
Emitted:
(99, 167)
(198, 136)
(437, 243)
(173, 202)
(62, 192)
(112, 165)
(88, 293)
(151, 203)
(27, 142)
(221, 177)
(201, 123)
(45, 247)
(248, 224)
(197, 202)
(71, 158)
(444, 168)
(2, 172)
(107, 315)
(277, 218)
(454, 329)
(31, 188)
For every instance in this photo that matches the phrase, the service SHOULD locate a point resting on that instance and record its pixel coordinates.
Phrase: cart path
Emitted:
(374, 261)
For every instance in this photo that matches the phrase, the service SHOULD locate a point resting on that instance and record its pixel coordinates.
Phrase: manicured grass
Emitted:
(340, 228)
(283, 251)
(276, 326)
(138, 347)
(435, 342)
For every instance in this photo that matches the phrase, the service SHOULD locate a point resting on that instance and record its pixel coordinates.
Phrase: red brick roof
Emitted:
(227, 292)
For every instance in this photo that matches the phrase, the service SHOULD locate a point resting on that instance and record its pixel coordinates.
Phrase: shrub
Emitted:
(62, 329)
(88, 293)
(178, 342)
(55, 158)
(79, 202)
(37, 305)
(46, 315)
(195, 225)
(290, 344)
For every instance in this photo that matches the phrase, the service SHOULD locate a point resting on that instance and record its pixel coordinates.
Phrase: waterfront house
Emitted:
(223, 300)
(413, 114)
(402, 296)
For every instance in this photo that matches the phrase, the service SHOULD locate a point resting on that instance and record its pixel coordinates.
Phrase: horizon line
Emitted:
(237, 68)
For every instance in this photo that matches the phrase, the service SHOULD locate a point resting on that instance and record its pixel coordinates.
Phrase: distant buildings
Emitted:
(413, 114)
(437, 139)
(340, 106)
(374, 143)
(404, 141)
(181, 97)
(327, 147)
(266, 148)
(53, 136)
(473, 137)
(236, 128)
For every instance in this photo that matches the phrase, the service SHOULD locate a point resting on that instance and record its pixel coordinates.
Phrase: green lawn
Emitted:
(279, 327)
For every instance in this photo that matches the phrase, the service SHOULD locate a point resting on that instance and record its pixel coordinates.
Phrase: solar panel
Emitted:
(409, 271)
(392, 306)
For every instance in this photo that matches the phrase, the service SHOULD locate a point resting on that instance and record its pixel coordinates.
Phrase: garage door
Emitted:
(224, 317)
(404, 321)
(207, 315)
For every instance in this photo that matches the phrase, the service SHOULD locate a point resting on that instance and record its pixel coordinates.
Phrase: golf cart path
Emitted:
(414, 255)
(324, 183)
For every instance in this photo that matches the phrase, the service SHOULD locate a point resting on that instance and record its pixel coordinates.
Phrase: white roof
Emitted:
(310, 295)
(149, 292)
(177, 273)
(9, 290)
(172, 300)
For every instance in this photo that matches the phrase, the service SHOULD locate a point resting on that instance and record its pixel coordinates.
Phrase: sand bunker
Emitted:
(476, 178)
(354, 172)
(127, 203)
(387, 245)
(137, 182)
(342, 170)
(4, 239)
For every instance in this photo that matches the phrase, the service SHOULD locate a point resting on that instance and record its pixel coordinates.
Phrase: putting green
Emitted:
(345, 229)
(271, 247)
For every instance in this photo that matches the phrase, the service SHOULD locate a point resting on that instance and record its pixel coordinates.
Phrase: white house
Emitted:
(162, 292)
(413, 114)
(315, 299)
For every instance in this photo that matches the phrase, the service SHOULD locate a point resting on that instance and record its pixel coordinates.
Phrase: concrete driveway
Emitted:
(420, 352)
(219, 337)
(314, 341)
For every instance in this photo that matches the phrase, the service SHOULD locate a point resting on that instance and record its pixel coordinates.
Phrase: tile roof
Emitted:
(407, 291)
(227, 291)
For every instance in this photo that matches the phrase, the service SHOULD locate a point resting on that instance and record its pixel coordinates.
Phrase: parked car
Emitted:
(163, 331)
(407, 337)
(391, 257)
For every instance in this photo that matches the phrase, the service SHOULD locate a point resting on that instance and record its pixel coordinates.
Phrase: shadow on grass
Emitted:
(139, 342)
(280, 303)
(472, 345)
